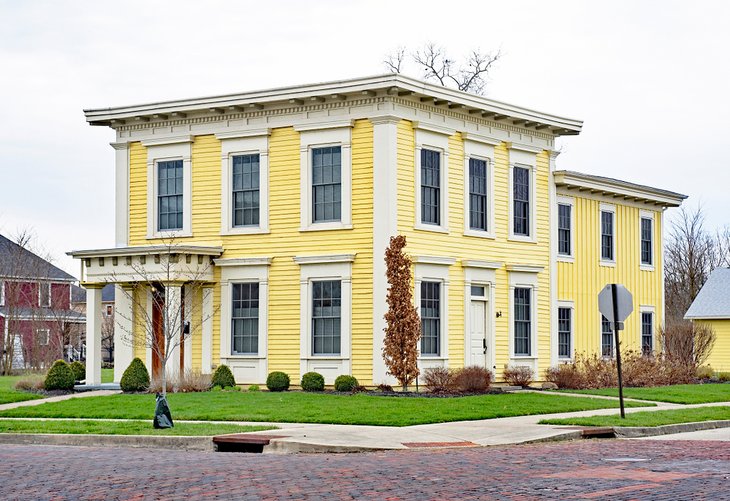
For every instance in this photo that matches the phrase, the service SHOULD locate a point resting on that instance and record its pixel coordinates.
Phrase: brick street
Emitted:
(589, 469)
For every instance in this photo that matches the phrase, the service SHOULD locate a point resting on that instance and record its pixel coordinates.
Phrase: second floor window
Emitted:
(523, 321)
(326, 317)
(606, 338)
(607, 235)
(430, 318)
(326, 184)
(245, 190)
(478, 194)
(564, 215)
(245, 319)
(646, 241)
(430, 187)
(170, 195)
(44, 294)
(521, 201)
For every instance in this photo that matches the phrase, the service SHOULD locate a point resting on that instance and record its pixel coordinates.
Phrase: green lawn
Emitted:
(677, 394)
(656, 418)
(9, 394)
(107, 375)
(122, 428)
(314, 408)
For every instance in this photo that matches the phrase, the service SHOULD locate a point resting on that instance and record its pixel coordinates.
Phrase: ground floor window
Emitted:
(647, 333)
(430, 318)
(565, 329)
(245, 318)
(523, 321)
(43, 336)
(326, 317)
(606, 338)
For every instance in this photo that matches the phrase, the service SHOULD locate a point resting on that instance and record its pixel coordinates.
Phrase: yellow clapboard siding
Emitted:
(719, 359)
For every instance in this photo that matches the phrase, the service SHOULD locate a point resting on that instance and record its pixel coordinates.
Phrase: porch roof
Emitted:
(147, 250)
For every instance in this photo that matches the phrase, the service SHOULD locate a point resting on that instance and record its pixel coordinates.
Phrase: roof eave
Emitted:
(147, 251)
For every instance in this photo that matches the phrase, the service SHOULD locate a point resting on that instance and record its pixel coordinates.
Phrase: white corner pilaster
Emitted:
(207, 331)
(123, 330)
(93, 334)
(188, 317)
(121, 194)
(173, 320)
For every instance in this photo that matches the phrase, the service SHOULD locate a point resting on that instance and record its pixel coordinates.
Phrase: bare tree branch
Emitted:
(394, 61)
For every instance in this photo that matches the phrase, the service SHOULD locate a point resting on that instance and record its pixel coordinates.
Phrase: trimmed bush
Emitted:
(312, 381)
(254, 387)
(473, 379)
(59, 377)
(345, 383)
(79, 370)
(135, 377)
(223, 377)
(518, 375)
(439, 380)
(278, 381)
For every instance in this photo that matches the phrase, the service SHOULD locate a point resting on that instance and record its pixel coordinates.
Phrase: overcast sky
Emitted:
(650, 80)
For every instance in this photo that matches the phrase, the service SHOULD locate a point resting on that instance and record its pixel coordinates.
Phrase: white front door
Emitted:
(479, 342)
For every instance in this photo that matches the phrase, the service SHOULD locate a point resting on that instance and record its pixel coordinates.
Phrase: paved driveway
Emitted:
(619, 469)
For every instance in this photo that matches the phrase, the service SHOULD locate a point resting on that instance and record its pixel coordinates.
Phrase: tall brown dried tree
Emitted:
(403, 330)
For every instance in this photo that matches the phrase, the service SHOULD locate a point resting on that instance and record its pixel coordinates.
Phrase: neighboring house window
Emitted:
(2, 293)
(43, 336)
(245, 319)
(44, 294)
(564, 215)
(109, 310)
(326, 317)
(606, 338)
(523, 321)
(430, 318)
(245, 190)
(647, 333)
(326, 184)
(170, 195)
(521, 200)
(478, 194)
(430, 187)
(565, 330)
(607, 235)
(646, 241)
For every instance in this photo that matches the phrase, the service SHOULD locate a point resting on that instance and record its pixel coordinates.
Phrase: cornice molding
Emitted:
(120, 145)
(386, 119)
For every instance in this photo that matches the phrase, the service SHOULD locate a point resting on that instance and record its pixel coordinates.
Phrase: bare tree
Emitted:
(403, 325)
(434, 64)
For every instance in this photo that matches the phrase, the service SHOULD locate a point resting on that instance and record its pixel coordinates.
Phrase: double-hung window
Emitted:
(44, 294)
(245, 190)
(521, 201)
(564, 224)
(523, 321)
(326, 184)
(606, 338)
(245, 318)
(43, 336)
(647, 332)
(647, 244)
(430, 187)
(326, 317)
(170, 195)
(607, 235)
(565, 332)
(478, 207)
(430, 318)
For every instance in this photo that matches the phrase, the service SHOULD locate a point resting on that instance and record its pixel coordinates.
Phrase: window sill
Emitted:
(566, 259)
(478, 234)
(610, 264)
(523, 239)
(522, 357)
(326, 227)
(244, 357)
(333, 358)
(431, 227)
(646, 267)
(436, 358)
(252, 230)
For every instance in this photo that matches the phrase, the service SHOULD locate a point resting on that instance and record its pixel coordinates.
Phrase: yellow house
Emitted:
(279, 205)
(712, 307)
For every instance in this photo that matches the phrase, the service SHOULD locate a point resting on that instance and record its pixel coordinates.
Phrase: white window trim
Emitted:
(600, 339)
(47, 336)
(50, 292)
(313, 136)
(563, 200)
(435, 141)
(479, 151)
(523, 280)
(432, 272)
(173, 148)
(2, 292)
(607, 208)
(532, 237)
(571, 306)
(244, 273)
(647, 309)
(251, 142)
(643, 214)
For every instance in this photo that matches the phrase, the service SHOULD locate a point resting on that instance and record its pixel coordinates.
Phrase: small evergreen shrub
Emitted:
(79, 370)
(518, 375)
(135, 377)
(59, 377)
(278, 381)
(473, 379)
(345, 383)
(439, 380)
(223, 377)
(312, 381)
(254, 387)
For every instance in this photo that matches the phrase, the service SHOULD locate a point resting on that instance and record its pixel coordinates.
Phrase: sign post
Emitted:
(616, 303)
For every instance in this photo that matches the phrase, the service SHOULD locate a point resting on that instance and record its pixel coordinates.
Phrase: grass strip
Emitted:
(676, 394)
(121, 428)
(650, 419)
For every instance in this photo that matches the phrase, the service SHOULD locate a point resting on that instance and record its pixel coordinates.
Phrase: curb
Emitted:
(669, 429)
(136, 441)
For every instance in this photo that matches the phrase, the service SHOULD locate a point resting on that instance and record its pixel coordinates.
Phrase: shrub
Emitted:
(439, 380)
(254, 387)
(312, 381)
(223, 377)
(473, 379)
(705, 372)
(135, 377)
(193, 382)
(345, 383)
(156, 385)
(686, 342)
(59, 377)
(386, 388)
(277, 381)
(723, 376)
(598, 372)
(640, 370)
(79, 370)
(32, 383)
(565, 376)
(518, 375)
(360, 389)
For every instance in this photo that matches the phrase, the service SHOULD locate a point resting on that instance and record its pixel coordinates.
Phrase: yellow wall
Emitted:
(582, 280)
(720, 357)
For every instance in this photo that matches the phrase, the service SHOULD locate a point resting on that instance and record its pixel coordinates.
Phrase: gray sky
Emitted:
(650, 80)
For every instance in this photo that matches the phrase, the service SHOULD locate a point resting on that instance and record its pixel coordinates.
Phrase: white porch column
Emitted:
(173, 320)
(207, 330)
(123, 330)
(188, 317)
(93, 333)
